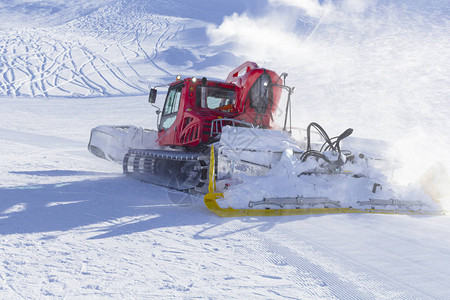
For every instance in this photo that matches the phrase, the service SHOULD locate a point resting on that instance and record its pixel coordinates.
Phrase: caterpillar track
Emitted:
(184, 171)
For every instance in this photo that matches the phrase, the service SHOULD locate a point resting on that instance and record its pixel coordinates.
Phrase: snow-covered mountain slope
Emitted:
(111, 48)
(73, 226)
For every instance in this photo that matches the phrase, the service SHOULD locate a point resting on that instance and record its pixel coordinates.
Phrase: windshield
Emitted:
(170, 110)
(216, 97)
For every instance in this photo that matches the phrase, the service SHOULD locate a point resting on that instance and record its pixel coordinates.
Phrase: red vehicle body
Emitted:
(250, 94)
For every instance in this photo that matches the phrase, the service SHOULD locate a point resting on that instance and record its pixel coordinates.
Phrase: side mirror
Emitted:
(152, 96)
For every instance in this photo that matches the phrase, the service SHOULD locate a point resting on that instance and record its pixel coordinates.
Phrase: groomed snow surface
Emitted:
(73, 226)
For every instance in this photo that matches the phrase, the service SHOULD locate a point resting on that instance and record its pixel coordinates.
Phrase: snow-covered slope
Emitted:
(111, 48)
(73, 226)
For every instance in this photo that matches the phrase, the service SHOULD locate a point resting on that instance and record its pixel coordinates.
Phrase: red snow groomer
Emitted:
(193, 115)
(219, 136)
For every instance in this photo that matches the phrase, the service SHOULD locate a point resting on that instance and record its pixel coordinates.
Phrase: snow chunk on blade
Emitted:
(266, 173)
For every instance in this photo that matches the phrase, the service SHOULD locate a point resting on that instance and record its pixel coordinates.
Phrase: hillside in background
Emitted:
(107, 48)
(73, 226)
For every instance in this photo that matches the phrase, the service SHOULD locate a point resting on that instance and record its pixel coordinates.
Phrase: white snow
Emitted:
(115, 140)
(73, 226)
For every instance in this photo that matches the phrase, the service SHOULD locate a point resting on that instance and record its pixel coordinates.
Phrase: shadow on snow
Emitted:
(111, 207)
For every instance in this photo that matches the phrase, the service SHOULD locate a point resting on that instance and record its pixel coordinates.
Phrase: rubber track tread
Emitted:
(178, 170)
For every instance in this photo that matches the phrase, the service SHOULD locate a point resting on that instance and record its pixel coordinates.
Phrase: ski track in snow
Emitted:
(90, 56)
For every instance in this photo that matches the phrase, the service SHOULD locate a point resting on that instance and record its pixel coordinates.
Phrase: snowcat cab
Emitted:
(194, 111)
(189, 109)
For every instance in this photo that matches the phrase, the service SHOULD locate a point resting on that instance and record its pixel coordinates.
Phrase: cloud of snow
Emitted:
(423, 160)
(283, 29)
(311, 7)
(265, 38)
(358, 6)
(378, 66)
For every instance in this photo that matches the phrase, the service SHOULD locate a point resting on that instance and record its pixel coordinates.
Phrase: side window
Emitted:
(170, 110)
(216, 97)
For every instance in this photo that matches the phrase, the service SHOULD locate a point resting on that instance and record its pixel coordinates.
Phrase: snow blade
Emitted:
(211, 203)
(212, 197)
(112, 142)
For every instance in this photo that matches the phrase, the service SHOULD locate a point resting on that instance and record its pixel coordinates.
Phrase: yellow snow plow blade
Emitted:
(212, 197)
(211, 203)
